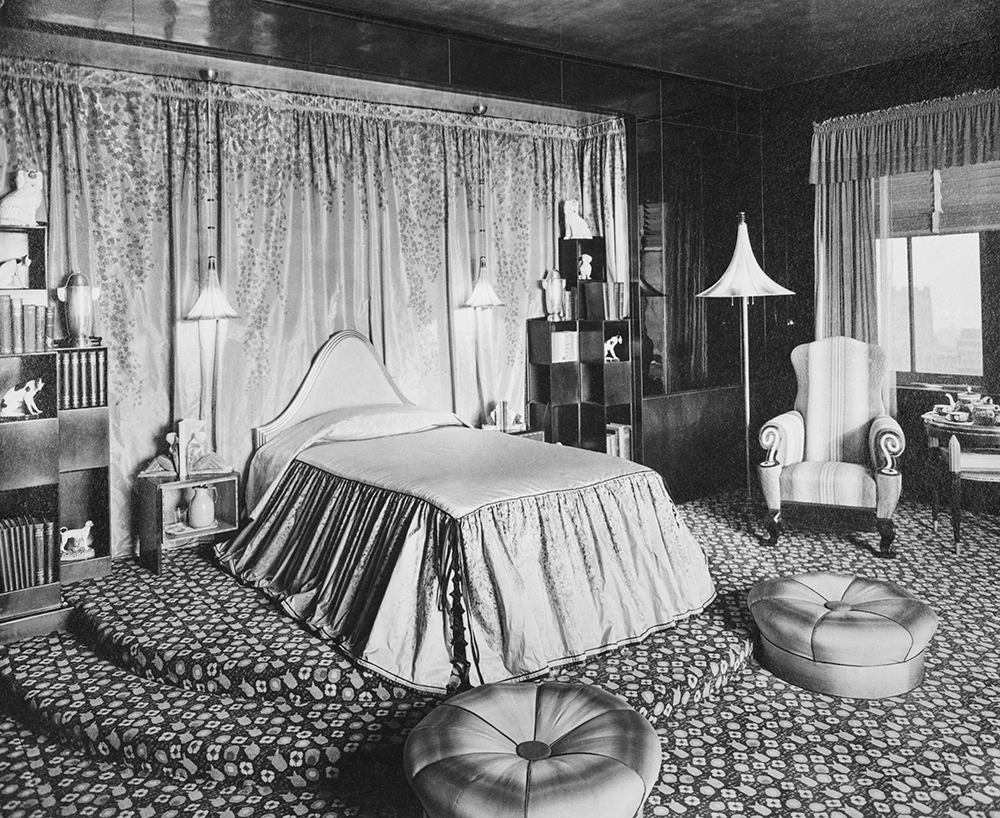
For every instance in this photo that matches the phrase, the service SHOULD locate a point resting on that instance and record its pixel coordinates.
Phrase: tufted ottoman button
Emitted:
(528, 751)
(841, 634)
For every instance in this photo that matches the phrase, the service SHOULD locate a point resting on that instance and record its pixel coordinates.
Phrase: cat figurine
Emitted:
(20, 206)
(20, 401)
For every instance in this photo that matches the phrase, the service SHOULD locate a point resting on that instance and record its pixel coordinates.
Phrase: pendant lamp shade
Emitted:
(212, 303)
(483, 294)
(744, 276)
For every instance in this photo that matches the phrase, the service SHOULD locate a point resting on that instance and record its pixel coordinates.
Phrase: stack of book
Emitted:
(24, 327)
(82, 378)
(27, 553)
(619, 440)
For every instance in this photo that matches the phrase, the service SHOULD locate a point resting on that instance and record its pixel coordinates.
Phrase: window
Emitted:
(942, 245)
(934, 309)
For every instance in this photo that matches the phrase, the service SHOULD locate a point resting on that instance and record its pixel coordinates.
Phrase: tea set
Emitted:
(970, 407)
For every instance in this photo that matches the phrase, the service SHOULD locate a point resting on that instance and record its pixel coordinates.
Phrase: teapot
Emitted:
(201, 508)
(967, 398)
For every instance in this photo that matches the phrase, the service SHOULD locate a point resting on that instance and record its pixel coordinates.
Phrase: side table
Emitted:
(965, 451)
(163, 501)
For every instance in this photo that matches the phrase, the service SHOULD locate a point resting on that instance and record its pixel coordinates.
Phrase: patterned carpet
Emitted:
(188, 695)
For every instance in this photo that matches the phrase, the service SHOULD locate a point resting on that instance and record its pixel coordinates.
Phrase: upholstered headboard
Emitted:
(346, 371)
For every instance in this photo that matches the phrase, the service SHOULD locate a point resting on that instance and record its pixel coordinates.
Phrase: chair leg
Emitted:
(956, 510)
(887, 534)
(773, 525)
(935, 500)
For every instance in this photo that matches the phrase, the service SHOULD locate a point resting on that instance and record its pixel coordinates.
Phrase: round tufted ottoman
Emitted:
(528, 751)
(843, 635)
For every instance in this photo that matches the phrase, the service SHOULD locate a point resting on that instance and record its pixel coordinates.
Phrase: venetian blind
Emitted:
(962, 199)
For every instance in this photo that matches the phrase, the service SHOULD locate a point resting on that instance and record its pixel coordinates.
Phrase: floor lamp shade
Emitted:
(744, 276)
(483, 294)
(744, 279)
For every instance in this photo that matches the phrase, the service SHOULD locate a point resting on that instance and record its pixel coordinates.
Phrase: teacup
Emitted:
(943, 408)
(959, 416)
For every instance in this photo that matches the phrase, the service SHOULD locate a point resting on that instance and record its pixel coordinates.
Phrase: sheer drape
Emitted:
(848, 155)
(331, 214)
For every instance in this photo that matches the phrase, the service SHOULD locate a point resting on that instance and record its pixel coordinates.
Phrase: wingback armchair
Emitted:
(838, 446)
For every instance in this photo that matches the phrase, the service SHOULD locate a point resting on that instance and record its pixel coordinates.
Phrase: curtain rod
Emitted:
(21, 68)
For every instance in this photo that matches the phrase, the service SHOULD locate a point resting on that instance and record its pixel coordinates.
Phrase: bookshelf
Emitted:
(54, 439)
(580, 371)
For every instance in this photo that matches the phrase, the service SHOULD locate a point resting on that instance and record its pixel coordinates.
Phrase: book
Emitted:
(74, 378)
(6, 328)
(102, 358)
(38, 550)
(51, 557)
(28, 312)
(565, 346)
(623, 439)
(611, 443)
(17, 325)
(50, 327)
(40, 313)
(92, 388)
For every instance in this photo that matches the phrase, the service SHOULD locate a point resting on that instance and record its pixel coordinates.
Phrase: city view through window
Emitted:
(943, 333)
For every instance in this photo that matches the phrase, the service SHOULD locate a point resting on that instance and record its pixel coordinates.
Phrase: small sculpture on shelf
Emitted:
(574, 225)
(20, 206)
(187, 454)
(586, 268)
(554, 286)
(609, 348)
(75, 543)
(79, 298)
(19, 401)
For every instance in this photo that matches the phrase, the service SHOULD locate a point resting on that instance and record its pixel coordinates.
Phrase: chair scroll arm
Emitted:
(886, 443)
(784, 438)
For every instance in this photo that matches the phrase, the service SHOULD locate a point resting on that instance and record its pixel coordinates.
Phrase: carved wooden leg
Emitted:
(887, 533)
(773, 525)
(460, 664)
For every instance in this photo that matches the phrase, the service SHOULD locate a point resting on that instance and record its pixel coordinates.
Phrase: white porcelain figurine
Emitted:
(574, 226)
(20, 206)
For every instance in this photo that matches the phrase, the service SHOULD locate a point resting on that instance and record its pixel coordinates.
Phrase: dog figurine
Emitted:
(573, 223)
(80, 539)
(20, 206)
(609, 348)
(20, 401)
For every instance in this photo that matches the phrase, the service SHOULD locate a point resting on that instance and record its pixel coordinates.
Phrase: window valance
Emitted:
(937, 134)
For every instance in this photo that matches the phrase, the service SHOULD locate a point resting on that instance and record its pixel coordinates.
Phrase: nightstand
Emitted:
(163, 502)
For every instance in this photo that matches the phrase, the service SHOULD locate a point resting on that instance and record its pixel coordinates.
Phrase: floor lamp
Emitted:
(744, 279)
(212, 309)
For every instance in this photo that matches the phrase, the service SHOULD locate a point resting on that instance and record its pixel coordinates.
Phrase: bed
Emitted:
(442, 556)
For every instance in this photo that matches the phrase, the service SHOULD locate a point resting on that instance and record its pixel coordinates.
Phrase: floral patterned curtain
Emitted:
(331, 214)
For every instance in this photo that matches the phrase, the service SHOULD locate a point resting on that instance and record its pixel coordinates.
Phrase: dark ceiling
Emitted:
(757, 44)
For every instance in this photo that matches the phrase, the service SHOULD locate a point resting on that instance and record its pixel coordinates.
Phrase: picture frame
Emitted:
(192, 444)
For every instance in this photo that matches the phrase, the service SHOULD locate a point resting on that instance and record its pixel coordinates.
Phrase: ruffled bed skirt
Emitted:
(505, 592)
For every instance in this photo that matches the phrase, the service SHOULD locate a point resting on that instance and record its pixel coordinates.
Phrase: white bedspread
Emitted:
(559, 552)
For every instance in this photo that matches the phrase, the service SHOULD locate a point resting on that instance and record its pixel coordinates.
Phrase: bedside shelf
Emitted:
(163, 501)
